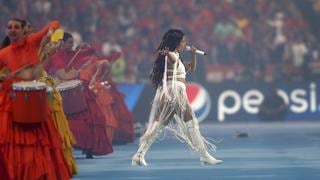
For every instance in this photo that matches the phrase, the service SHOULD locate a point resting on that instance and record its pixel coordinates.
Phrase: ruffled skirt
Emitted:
(61, 123)
(124, 133)
(30, 151)
(105, 100)
(89, 127)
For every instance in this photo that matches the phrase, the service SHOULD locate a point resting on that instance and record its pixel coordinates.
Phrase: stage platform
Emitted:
(278, 150)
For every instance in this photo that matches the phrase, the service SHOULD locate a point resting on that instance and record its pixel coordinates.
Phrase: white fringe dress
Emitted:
(171, 103)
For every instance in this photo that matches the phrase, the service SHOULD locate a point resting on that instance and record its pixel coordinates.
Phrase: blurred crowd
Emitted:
(245, 40)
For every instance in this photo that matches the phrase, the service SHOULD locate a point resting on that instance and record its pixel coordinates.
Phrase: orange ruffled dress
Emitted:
(33, 151)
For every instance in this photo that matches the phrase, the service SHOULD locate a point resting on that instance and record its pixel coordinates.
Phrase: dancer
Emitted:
(89, 126)
(170, 108)
(48, 48)
(124, 133)
(30, 151)
(103, 95)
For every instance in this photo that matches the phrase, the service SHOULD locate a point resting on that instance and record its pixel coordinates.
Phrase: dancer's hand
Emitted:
(103, 62)
(193, 49)
(83, 45)
(164, 51)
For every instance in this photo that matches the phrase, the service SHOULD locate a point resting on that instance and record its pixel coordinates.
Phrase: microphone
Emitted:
(188, 48)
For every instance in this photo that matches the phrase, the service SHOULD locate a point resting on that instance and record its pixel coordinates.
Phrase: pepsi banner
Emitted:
(138, 98)
(241, 101)
(230, 101)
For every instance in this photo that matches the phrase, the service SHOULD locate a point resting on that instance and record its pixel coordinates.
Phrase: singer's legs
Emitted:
(154, 129)
(195, 137)
(188, 114)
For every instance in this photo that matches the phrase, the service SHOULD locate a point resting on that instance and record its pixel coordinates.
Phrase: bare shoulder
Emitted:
(172, 56)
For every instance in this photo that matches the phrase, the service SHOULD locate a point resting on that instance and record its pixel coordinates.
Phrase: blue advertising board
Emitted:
(230, 101)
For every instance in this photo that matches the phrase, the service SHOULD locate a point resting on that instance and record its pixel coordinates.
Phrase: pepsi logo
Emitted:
(199, 99)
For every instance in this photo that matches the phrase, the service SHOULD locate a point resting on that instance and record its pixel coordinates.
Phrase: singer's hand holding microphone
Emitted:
(195, 50)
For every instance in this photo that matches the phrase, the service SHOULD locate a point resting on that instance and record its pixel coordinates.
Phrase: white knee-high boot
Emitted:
(145, 142)
(199, 144)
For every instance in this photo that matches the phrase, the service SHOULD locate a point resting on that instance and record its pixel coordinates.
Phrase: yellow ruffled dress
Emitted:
(60, 121)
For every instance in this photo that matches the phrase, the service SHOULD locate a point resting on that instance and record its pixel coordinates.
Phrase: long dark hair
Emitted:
(171, 39)
(5, 42)
(66, 36)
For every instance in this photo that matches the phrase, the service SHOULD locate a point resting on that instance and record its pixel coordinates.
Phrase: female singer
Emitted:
(89, 127)
(170, 106)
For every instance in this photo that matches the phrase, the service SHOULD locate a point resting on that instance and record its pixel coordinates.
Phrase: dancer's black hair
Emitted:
(6, 41)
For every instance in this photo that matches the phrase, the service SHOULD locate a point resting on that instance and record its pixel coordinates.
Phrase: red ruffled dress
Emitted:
(88, 127)
(126, 119)
(104, 97)
(3, 169)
